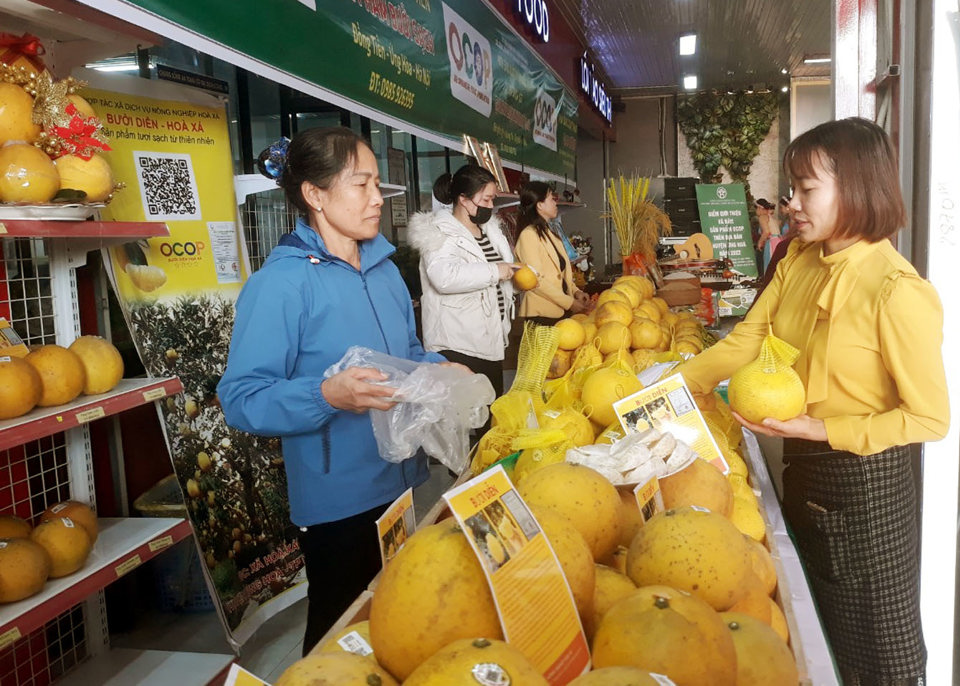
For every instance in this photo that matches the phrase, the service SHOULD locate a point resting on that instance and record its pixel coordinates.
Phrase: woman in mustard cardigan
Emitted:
(870, 332)
(555, 296)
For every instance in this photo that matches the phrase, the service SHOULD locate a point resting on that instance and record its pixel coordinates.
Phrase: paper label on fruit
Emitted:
(490, 674)
(668, 407)
(395, 525)
(540, 618)
(354, 643)
(662, 680)
(67, 522)
(3, 544)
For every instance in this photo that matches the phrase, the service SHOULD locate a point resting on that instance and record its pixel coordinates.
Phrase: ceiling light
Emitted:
(690, 82)
(688, 44)
(816, 60)
(128, 63)
(784, 71)
(750, 90)
(784, 89)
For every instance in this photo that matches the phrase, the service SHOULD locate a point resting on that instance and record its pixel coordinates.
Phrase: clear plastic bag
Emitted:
(436, 406)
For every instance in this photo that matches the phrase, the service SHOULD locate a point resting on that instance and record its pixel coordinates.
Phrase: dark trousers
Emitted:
(341, 558)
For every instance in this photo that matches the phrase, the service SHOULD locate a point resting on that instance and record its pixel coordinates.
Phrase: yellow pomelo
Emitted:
(589, 330)
(587, 355)
(649, 310)
(617, 560)
(613, 311)
(763, 566)
(532, 459)
(642, 359)
(768, 386)
(27, 174)
(432, 593)
(335, 669)
(356, 634)
(577, 427)
(763, 659)
(101, 362)
(644, 333)
(665, 338)
(573, 553)
(746, 517)
(79, 513)
(670, 318)
(61, 373)
(616, 676)
(16, 115)
(580, 317)
(668, 632)
(92, 176)
(12, 526)
(610, 587)
(458, 662)
(641, 283)
(661, 303)
(613, 336)
(24, 568)
(610, 434)
(83, 107)
(20, 387)
(621, 359)
(700, 484)
(572, 334)
(735, 463)
(560, 364)
(633, 296)
(630, 519)
(755, 602)
(738, 483)
(613, 295)
(603, 388)
(525, 279)
(66, 542)
(692, 550)
(583, 496)
(686, 348)
(778, 621)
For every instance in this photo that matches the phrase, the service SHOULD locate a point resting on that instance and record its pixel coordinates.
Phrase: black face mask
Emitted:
(482, 216)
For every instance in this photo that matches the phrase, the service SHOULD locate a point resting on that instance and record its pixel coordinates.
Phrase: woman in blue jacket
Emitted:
(327, 286)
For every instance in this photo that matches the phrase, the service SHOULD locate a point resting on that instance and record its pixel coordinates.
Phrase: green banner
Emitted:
(726, 222)
(448, 68)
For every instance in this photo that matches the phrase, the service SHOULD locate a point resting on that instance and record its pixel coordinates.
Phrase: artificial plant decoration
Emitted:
(639, 223)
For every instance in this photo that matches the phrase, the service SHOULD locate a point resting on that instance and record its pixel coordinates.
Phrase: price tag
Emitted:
(160, 543)
(90, 415)
(9, 637)
(3, 227)
(125, 567)
(355, 643)
(154, 394)
(395, 526)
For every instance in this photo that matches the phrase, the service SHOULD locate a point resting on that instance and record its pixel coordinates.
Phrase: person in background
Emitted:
(327, 286)
(870, 332)
(556, 296)
(769, 230)
(465, 268)
(787, 234)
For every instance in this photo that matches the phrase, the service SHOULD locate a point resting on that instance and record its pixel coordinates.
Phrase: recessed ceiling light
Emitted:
(784, 89)
(688, 44)
(690, 82)
(784, 71)
(816, 60)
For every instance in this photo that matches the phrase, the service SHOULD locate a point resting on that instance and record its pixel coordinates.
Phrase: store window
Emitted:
(431, 163)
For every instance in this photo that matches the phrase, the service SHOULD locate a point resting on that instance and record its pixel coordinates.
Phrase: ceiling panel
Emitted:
(739, 42)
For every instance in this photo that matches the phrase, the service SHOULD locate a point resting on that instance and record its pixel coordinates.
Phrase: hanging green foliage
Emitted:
(726, 130)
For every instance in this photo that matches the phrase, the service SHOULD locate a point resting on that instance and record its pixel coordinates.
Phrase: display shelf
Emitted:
(44, 421)
(123, 545)
(564, 206)
(124, 666)
(105, 232)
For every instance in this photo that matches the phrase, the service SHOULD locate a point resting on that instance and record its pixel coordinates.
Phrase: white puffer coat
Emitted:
(459, 303)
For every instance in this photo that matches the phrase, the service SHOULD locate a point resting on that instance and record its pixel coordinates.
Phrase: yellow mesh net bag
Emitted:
(540, 447)
(768, 386)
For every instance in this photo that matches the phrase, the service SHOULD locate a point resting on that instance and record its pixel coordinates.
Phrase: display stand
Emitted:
(46, 454)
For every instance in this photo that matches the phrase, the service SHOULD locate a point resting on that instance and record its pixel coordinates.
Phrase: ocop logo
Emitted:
(471, 63)
(187, 249)
(468, 55)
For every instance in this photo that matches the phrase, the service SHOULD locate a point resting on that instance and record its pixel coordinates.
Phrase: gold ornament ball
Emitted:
(27, 175)
(16, 115)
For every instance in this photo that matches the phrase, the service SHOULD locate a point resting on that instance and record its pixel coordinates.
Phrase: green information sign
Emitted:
(447, 67)
(726, 222)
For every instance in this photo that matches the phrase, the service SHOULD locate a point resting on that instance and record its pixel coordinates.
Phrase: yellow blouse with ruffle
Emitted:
(870, 332)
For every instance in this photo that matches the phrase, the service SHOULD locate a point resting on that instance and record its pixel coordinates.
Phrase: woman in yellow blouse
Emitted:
(538, 246)
(870, 331)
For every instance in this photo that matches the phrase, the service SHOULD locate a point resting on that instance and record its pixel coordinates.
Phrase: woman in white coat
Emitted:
(465, 270)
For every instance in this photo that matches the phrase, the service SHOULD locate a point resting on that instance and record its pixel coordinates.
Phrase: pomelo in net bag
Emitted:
(768, 386)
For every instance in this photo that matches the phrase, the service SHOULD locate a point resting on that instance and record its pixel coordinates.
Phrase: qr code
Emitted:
(168, 186)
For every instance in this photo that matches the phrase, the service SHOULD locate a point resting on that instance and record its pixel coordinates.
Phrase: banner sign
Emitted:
(448, 67)
(178, 295)
(726, 222)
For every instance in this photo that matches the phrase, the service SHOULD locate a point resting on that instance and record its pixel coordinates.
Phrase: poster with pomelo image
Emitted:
(534, 600)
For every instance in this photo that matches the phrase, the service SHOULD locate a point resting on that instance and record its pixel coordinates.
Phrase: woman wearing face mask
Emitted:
(541, 248)
(869, 331)
(465, 270)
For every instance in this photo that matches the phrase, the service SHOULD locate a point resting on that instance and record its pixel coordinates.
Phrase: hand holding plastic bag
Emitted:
(436, 406)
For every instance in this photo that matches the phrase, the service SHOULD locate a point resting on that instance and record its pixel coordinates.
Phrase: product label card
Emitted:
(238, 676)
(536, 607)
(649, 498)
(10, 342)
(396, 525)
(668, 407)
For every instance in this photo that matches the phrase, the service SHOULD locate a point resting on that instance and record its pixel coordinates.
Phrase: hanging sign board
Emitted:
(726, 222)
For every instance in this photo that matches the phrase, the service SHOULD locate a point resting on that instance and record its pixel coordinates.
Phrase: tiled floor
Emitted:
(275, 646)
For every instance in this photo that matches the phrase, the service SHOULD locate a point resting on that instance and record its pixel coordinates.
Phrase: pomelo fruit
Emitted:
(335, 669)
(524, 279)
(614, 311)
(66, 542)
(476, 661)
(700, 484)
(610, 587)
(616, 676)
(92, 176)
(572, 553)
(762, 564)
(612, 295)
(354, 638)
(578, 427)
(560, 364)
(572, 334)
(61, 373)
(603, 388)
(16, 115)
(80, 513)
(24, 568)
(778, 622)
(613, 336)
(649, 310)
(101, 362)
(762, 658)
(768, 386)
(20, 387)
(27, 174)
(84, 108)
(644, 333)
(12, 526)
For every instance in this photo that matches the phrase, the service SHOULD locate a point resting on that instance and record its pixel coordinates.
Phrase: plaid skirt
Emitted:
(854, 519)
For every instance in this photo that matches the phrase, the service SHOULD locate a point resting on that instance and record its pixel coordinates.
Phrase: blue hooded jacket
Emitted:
(294, 318)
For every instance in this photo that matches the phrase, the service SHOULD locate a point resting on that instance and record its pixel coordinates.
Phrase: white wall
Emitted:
(810, 104)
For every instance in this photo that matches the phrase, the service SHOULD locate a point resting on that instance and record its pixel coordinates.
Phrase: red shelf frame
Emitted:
(101, 570)
(46, 421)
(48, 228)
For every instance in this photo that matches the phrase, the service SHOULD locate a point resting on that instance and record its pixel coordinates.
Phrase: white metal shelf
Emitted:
(124, 666)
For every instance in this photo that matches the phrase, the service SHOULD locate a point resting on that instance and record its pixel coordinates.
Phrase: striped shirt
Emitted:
(493, 256)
